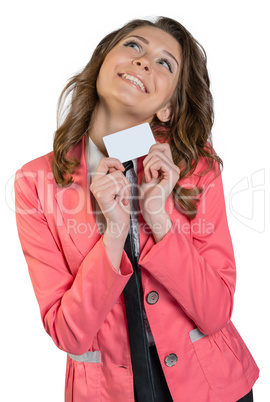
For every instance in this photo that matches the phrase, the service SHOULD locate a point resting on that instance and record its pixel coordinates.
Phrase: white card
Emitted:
(130, 143)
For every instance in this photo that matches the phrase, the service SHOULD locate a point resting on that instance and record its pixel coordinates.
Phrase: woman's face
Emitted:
(140, 73)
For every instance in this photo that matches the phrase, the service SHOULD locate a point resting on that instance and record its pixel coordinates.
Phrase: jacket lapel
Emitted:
(76, 207)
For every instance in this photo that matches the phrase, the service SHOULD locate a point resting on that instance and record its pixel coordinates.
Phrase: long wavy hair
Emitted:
(188, 131)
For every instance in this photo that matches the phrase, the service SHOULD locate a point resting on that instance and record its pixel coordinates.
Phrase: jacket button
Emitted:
(171, 360)
(152, 297)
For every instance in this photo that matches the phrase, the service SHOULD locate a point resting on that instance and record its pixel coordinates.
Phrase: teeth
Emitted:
(135, 81)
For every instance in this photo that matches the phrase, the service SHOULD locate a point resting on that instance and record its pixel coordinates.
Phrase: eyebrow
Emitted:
(147, 43)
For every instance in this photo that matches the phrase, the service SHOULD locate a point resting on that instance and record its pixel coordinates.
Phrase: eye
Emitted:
(166, 63)
(133, 44)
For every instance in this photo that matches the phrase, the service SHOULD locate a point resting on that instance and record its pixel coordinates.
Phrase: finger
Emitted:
(110, 186)
(153, 167)
(164, 147)
(107, 163)
(112, 169)
(156, 168)
(123, 194)
(157, 153)
(101, 180)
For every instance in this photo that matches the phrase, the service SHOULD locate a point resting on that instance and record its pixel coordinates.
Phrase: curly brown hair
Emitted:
(188, 131)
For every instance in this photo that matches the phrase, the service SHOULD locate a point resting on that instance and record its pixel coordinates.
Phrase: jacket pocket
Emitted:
(83, 377)
(88, 357)
(223, 356)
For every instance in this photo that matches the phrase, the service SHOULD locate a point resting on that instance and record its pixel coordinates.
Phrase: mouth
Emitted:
(135, 81)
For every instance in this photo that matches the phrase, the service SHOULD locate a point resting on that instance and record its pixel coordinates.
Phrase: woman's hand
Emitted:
(161, 175)
(111, 189)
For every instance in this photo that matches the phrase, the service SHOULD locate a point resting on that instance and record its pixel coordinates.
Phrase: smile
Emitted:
(134, 80)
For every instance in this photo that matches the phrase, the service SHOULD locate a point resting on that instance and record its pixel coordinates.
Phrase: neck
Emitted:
(104, 122)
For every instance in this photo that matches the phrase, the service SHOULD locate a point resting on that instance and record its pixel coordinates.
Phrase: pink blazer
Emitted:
(188, 282)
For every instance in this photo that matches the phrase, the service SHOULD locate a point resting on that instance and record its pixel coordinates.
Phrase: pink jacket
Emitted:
(188, 281)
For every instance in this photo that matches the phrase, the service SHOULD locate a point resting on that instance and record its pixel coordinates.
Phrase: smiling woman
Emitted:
(133, 268)
(144, 66)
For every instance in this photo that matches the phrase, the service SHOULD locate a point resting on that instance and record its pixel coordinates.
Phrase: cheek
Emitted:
(104, 76)
(100, 78)
(101, 83)
(171, 86)
(167, 88)
(166, 81)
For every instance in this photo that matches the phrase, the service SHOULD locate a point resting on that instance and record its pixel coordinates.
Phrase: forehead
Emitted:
(158, 38)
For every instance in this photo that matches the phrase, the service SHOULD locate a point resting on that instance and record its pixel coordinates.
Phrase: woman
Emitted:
(73, 218)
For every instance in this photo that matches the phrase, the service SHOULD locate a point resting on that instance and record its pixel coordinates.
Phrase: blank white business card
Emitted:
(130, 143)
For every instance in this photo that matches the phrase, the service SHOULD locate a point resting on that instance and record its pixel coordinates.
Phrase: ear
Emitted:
(164, 114)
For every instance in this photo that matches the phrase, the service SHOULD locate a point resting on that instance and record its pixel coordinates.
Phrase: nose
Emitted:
(143, 63)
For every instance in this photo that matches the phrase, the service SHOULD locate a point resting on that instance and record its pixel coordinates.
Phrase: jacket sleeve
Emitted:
(72, 308)
(199, 270)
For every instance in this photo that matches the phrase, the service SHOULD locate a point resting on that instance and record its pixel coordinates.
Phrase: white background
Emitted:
(42, 45)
